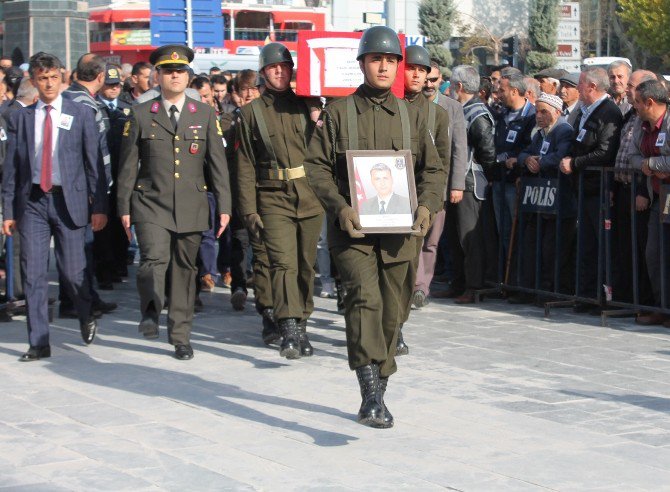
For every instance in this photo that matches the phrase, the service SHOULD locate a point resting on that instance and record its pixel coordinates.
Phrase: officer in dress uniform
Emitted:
(373, 267)
(275, 198)
(175, 138)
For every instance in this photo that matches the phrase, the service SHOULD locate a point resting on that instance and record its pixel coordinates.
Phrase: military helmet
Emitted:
(274, 53)
(379, 39)
(417, 55)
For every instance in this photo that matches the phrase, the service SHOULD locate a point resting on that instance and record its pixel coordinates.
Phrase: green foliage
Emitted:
(536, 61)
(440, 53)
(436, 18)
(542, 25)
(648, 23)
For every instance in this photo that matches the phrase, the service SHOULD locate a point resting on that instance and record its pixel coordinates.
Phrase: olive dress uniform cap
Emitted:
(172, 56)
(417, 55)
(112, 75)
(379, 39)
(274, 53)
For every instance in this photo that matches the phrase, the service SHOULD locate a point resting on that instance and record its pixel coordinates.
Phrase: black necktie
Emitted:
(111, 106)
(382, 208)
(173, 118)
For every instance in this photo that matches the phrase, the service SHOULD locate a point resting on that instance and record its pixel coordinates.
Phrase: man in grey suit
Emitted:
(51, 187)
(385, 201)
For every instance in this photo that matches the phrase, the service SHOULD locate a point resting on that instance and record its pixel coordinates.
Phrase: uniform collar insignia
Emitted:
(154, 107)
(192, 108)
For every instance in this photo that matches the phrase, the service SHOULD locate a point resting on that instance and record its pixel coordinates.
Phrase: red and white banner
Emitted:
(328, 66)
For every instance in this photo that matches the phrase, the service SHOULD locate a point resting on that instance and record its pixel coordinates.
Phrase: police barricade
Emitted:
(540, 205)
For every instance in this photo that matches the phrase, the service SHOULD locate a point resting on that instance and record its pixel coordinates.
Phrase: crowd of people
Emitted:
(232, 179)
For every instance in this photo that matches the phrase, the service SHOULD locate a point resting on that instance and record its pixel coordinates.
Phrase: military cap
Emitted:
(417, 55)
(552, 73)
(112, 75)
(570, 79)
(171, 56)
(379, 39)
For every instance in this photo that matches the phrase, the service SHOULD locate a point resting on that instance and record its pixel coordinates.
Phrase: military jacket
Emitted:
(289, 127)
(440, 132)
(379, 128)
(168, 187)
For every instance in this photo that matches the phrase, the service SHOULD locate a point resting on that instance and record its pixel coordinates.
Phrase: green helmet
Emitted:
(379, 39)
(274, 53)
(417, 55)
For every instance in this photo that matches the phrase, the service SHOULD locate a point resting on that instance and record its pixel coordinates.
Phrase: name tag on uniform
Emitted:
(545, 147)
(3, 135)
(660, 141)
(65, 121)
(582, 134)
(511, 136)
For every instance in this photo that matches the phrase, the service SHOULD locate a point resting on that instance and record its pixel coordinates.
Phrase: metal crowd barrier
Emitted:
(510, 281)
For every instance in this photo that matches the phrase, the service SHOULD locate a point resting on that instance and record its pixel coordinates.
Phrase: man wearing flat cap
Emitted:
(569, 94)
(178, 144)
(549, 79)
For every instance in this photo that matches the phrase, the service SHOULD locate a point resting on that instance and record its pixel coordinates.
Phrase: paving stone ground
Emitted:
(492, 397)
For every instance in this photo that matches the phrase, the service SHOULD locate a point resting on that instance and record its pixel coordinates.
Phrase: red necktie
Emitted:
(45, 177)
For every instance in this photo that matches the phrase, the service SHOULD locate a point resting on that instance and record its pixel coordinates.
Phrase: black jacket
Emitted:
(480, 140)
(599, 143)
(510, 144)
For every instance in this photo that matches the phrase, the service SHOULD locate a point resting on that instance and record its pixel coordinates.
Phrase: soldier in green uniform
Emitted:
(274, 197)
(373, 267)
(177, 141)
(417, 68)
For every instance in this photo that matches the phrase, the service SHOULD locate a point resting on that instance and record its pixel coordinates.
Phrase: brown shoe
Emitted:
(468, 297)
(207, 283)
(651, 319)
(227, 279)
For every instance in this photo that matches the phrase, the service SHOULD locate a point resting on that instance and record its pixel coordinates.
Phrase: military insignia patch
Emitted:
(218, 128)
(193, 149)
(174, 55)
(154, 107)
(126, 129)
(126, 111)
(192, 108)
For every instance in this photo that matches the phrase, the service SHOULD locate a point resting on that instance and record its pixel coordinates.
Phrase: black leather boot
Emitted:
(371, 412)
(388, 418)
(306, 348)
(271, 333)
(290, 346)
(401, 347)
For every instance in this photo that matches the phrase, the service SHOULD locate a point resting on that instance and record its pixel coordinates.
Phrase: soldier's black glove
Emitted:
(422, 221)
(254, 224)
(350, 222)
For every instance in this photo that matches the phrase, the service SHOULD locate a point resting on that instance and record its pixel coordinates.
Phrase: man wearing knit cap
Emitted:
(542, 157)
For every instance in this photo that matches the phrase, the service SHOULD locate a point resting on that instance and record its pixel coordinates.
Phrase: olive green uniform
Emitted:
(437, 123)
(166, 198)
(272, 183)
(373, 269)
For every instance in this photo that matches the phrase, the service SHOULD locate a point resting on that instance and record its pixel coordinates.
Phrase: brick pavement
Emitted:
(492, 397)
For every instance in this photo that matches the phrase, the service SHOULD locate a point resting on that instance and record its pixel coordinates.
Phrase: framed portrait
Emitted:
(382, 188)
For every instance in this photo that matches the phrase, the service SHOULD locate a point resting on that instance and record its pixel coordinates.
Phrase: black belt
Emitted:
(54, 189)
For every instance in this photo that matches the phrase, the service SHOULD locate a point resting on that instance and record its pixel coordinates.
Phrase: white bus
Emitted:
(604, 61)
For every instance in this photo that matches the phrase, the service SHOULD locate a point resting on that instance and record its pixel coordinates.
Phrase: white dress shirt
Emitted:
(40, 114)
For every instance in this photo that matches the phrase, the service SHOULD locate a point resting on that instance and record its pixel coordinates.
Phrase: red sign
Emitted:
(328, 65)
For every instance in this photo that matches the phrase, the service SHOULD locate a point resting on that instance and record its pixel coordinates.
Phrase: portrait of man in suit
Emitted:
(385, 201)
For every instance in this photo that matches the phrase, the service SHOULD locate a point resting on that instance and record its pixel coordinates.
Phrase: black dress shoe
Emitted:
(183, 352)
(149, 326)
(105, 307)
(36, 353)
(88, 330)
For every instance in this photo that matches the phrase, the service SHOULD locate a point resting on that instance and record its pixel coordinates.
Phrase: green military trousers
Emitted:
(160, 249)
(291, 247)
(373, 305)
(262, 282)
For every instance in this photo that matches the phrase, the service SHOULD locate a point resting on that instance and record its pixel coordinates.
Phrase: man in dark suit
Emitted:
(596, 140)
(51, 187)
(177, 142)
(385, 201)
